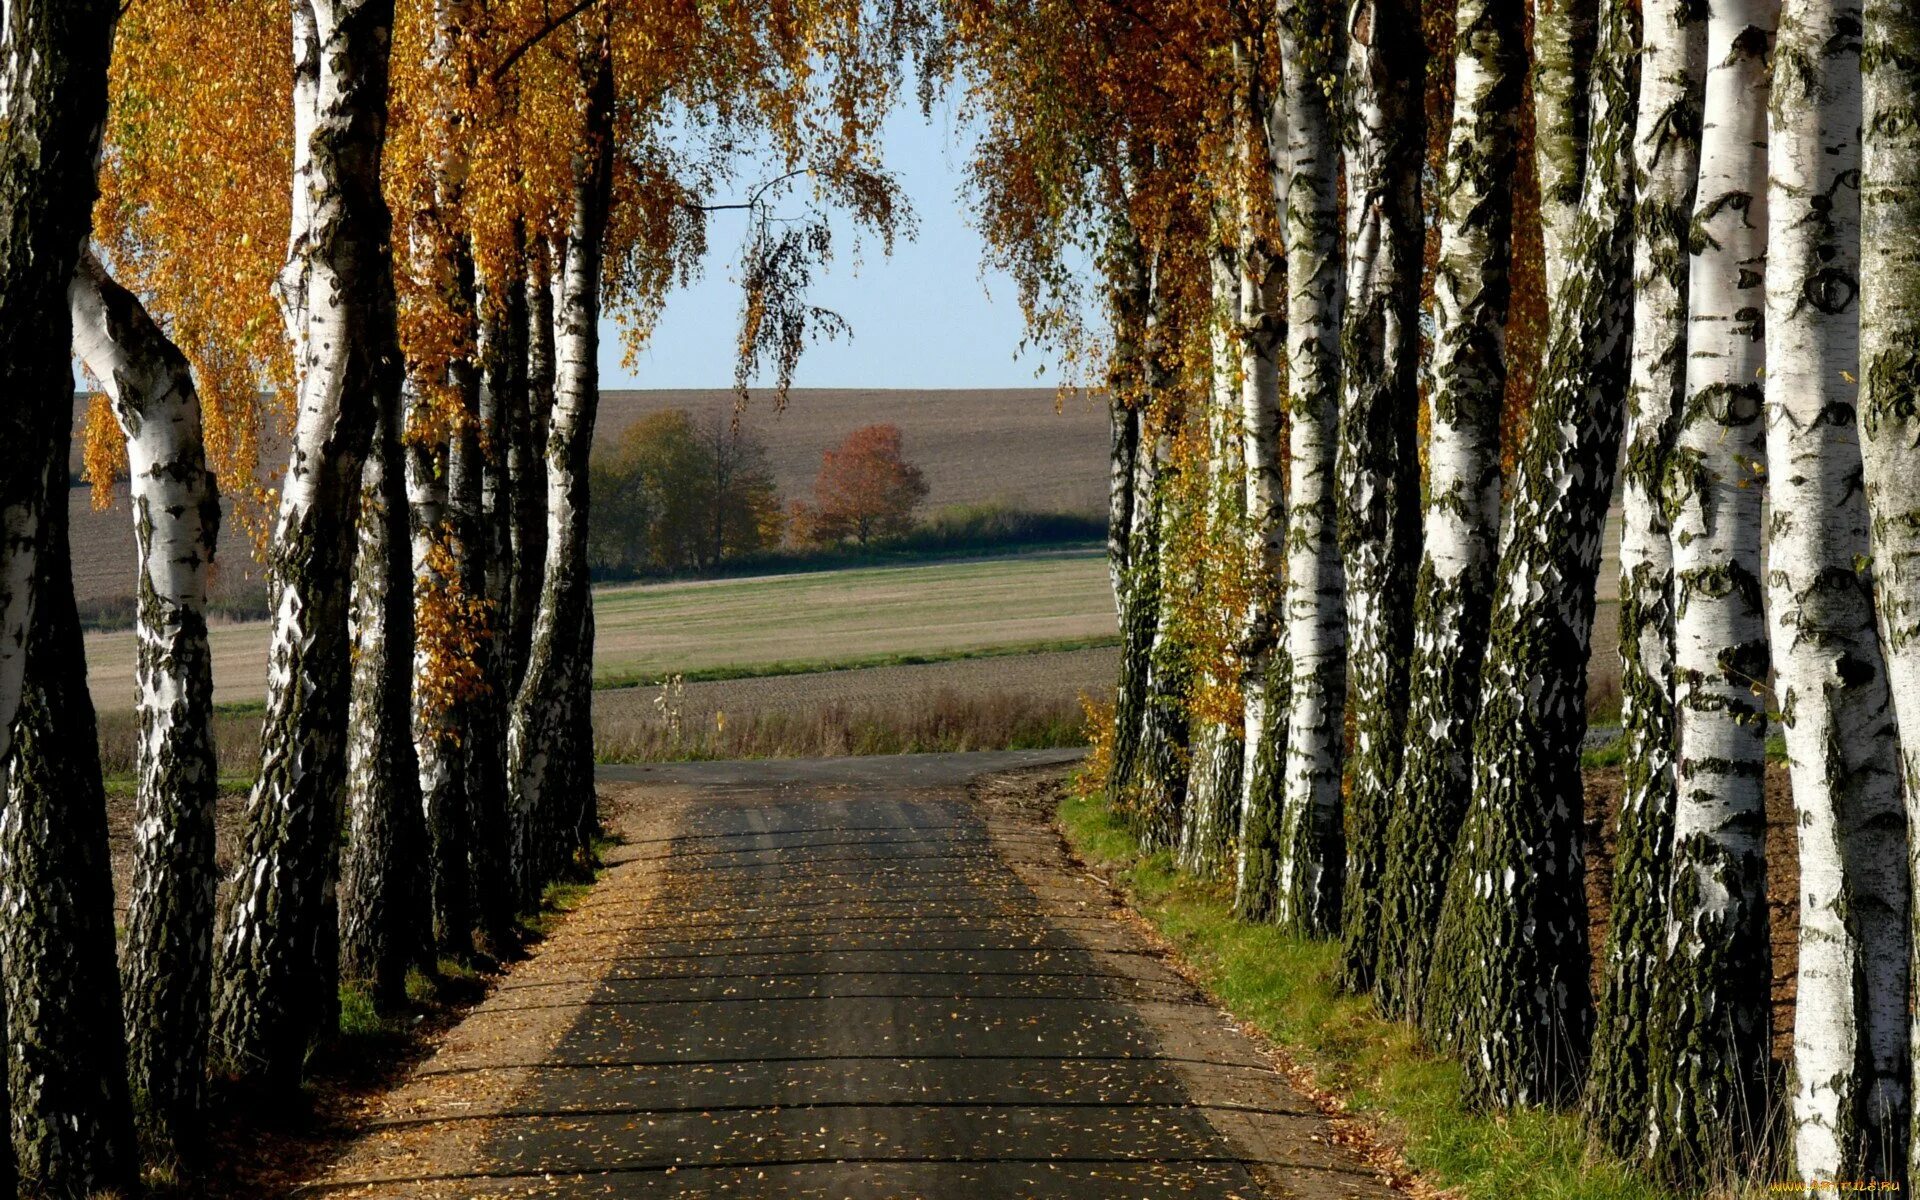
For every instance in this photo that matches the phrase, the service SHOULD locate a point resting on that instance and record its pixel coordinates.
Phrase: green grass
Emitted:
(614, 680)
(1283, 986)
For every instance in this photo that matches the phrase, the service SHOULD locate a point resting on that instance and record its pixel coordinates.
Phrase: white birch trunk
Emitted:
(1311, 844)
(275, 980)
(1710, 1029)
(1666, 168)
(1850, 1107)
(1508, 990)
(1213, 783)
(1454, 595)
(176, 511)
(1890, 376)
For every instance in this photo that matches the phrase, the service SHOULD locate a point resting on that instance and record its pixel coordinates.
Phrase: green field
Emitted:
(749, 626)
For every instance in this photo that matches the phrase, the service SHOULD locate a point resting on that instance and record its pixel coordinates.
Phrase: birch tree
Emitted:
(385, 924)
(1666, 170)
(176, 512)
(1378, 469)
(1708, 1054)
(1890, 365)
(1508, 990)
(1454, 596)
(1309, 844)
(271, 982)
(53, 100)
(1850, 1076)
(1213, 782)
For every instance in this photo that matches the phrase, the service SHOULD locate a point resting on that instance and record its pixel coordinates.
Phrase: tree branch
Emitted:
(540, 35)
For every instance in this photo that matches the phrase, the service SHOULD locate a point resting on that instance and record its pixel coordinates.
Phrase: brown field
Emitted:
(1012, 446)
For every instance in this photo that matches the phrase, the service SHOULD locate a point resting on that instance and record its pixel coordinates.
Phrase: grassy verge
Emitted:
(614, 680)
(946, 722)
(1283, 986)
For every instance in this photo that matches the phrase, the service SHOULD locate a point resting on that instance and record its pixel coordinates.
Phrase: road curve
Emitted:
(845, 978)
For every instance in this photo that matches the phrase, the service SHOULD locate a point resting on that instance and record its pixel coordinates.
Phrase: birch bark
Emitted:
(1563, 49)
(384, 923)
(1508, 990)
(1666, 169)
(1890, 375)
(1708, 1054)
(271, 981)
(550, 738)
(176, 511)
(527, 468)
(1454, 594)
(1378, 467)
(1850, 1105)
(1213, 780)
(1311, 844)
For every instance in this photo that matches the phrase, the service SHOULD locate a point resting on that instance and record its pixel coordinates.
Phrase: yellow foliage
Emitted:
(451, 628)
(103, 451)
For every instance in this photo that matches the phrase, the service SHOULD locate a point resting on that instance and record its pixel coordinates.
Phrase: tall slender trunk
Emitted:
(1890, 375)
(1378, 466)
(1454, 594)
(1508, 989)
(1264, 672)
(1666, 170)
(384, 923)
(66, 1044)
(1708, 1055)
(1213, 780)
(550, 738)
(1564, 33)
(1850, 1102)
(53, 100)
(273, 982)
(1159, 801)
(527, 468)
(435, 537)
(502, 372)
(1310, 843)
(176, 512)
(1128, 401)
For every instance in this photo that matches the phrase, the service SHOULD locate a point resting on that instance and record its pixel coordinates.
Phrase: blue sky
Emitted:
(925, 318)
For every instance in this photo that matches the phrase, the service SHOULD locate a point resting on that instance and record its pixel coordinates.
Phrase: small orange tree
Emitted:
(866, 488)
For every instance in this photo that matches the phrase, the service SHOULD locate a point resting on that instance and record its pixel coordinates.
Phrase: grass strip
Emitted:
(615, 680)
(1284, 987)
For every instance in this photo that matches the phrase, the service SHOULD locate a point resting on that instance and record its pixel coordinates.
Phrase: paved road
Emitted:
(847, 978)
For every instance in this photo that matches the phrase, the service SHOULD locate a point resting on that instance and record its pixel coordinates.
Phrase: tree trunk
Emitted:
(384, 924)
(272, 984)
(66, 1044)
(502, 374)
(1264, 673)
(1310, 845)
(1508, 989)
(1454, 595)
(1378, 465)
(1708, 1055)
(1563, 49)
(53, 98)
(1850, 1105)
(1890, 373)
(434, 529)
(550, 739)
(1160, 799)
(176, 509)
(1213, 781)
(1128, 401)
(1666, 170)
(527, 469)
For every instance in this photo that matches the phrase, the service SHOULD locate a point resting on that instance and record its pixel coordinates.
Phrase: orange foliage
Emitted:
(866, 489)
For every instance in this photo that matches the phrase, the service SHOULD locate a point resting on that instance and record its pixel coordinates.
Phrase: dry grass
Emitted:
(949, 721)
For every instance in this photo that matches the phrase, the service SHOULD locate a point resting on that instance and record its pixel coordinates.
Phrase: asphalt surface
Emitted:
(849, 978)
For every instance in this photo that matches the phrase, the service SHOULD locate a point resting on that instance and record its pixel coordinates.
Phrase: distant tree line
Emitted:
(679, 494)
